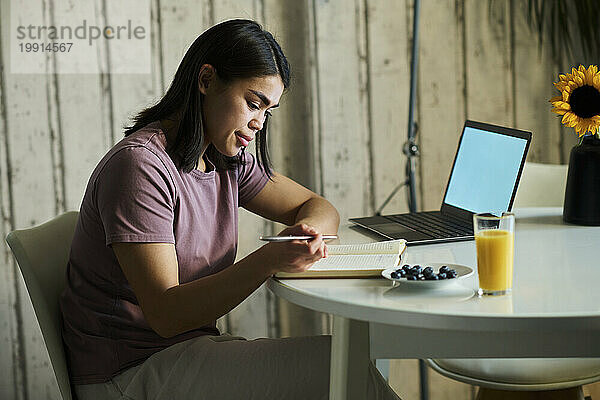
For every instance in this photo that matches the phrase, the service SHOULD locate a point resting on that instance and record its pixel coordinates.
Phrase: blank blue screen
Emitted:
(485, 171)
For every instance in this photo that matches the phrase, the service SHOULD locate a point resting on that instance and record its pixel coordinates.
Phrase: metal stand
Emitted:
(411, 150)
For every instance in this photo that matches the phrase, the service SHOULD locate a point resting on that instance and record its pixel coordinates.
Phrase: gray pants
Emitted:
(229, 367)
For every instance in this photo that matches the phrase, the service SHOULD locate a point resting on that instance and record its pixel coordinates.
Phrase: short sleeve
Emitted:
(251, 180)
(135, 196)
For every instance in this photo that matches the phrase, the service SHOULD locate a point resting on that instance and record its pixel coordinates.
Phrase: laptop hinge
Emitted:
(458, 213)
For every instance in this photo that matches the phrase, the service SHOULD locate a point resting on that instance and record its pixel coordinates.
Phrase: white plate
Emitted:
(462, 272)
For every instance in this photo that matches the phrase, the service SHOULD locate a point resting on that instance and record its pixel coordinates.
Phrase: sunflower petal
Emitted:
(589, 77)
(569, 78)
(589, 74)
(559, 111)
(566, 118)
(556, 98)
(597, 81)
(586, 127)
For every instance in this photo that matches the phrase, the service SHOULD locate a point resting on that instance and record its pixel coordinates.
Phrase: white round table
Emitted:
(553, 310)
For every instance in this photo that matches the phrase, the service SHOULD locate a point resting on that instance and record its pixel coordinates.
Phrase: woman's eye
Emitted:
(253, 106)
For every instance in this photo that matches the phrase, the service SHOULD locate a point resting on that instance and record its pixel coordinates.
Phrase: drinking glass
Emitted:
(495, 242)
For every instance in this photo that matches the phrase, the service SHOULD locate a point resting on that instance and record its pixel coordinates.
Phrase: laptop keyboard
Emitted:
(435, 225)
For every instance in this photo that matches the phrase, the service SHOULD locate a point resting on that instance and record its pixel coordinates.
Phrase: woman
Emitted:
(152, 260)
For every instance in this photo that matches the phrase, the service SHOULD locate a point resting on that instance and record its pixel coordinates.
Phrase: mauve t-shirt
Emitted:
(137, 194)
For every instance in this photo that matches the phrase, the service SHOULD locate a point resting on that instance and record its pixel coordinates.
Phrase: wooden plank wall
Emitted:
(340, 129)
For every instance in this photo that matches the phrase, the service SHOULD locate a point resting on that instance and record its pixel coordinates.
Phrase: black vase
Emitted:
(582, 194)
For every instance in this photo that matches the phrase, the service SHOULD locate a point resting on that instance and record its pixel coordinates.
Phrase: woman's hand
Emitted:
(296, 255)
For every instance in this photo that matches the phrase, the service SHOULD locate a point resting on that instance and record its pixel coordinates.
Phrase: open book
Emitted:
(353, 260)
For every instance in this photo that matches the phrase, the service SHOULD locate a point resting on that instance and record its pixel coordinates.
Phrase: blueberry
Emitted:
(444, 268)
(428, 271)
(402, 273)
(432, 278)
(395, 275)
(451, 274)
(417, 269)
(442, 275)
(406, 267)
(411, 278)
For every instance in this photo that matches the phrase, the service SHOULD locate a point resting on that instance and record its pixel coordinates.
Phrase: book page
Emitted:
(387, 247)
(355, 262)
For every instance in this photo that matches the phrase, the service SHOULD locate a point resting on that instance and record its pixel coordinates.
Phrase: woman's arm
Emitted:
(172, 308)
(290, 203)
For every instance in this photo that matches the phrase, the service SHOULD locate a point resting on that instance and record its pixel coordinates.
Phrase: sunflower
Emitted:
(579, 102)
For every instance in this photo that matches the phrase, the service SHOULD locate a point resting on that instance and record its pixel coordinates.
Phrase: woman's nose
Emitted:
(255, 124)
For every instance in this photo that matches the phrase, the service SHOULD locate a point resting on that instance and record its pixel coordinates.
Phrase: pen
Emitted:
(290, 238)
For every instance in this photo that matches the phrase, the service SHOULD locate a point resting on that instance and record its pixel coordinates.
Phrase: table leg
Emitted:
(350, 359)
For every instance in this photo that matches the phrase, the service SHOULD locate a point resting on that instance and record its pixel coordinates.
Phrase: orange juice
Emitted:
(495, 249)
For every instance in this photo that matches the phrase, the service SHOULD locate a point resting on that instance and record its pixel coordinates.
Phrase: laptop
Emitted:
(484, 179)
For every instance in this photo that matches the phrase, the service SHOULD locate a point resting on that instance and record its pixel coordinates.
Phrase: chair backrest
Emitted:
(42, 253)
(541, 185)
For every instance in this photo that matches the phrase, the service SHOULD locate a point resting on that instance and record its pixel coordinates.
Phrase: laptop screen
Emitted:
(485, 171)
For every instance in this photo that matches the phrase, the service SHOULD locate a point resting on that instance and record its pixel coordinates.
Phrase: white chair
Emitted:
(541, 185)
(42, 253)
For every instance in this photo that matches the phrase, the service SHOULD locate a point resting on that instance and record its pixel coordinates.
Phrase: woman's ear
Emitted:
(206, 77)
